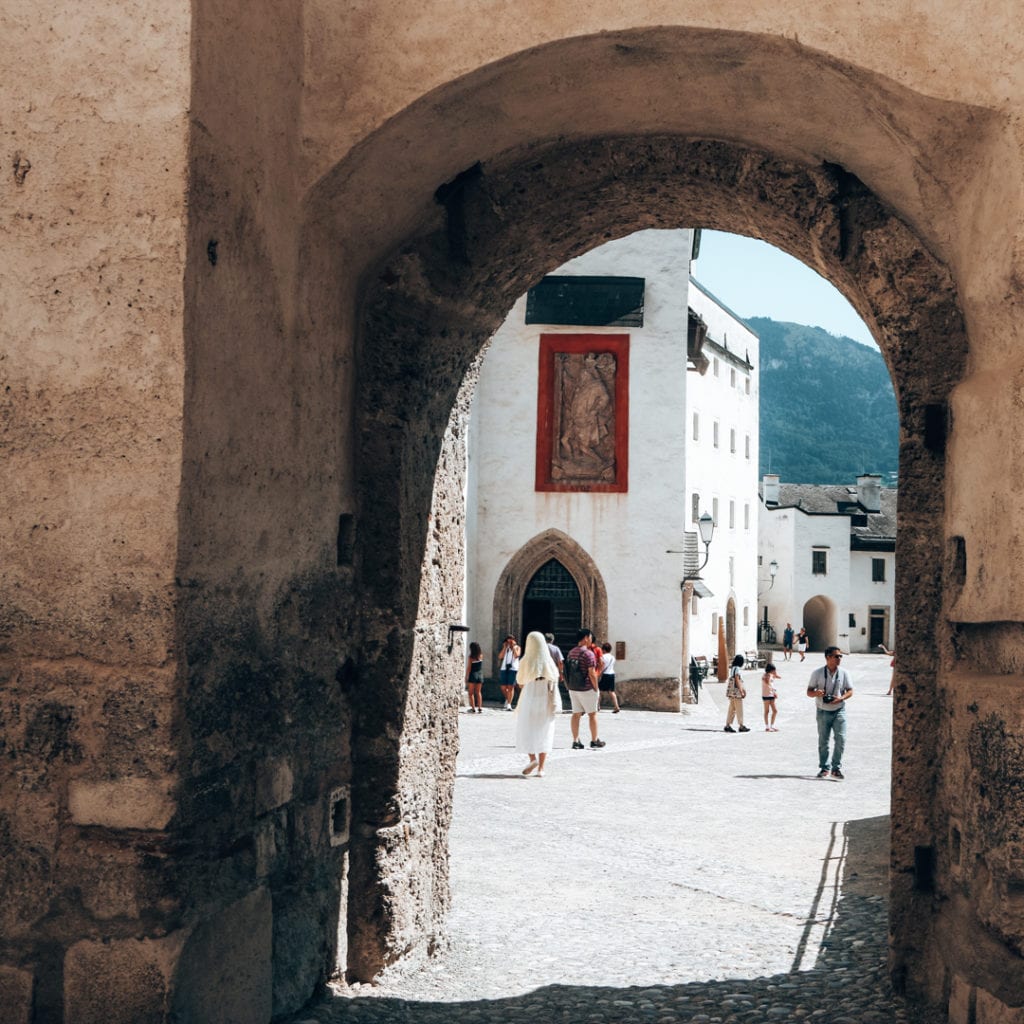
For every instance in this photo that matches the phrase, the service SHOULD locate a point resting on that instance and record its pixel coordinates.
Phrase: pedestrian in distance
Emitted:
(801, 643)
(508, 659)
(769, 695)
(556, 655)
(606, 681)
(831, 688)
(787, 642)
(581, 681)
(735, 692)
(475, 678)
(538, 703)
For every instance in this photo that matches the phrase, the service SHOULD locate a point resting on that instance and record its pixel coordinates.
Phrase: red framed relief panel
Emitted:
(583, 413)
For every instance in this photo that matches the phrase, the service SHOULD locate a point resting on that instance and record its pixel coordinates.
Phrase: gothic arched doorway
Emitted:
(551, 604)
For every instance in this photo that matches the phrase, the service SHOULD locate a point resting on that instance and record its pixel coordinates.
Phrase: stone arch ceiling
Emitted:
(764, 92)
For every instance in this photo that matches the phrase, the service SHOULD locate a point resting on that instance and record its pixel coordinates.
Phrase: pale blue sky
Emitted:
(754, 278)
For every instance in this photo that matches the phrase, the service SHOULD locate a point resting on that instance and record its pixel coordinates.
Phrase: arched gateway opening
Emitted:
(496, 228)
(417, 250)
(435, 303)
(819, 619)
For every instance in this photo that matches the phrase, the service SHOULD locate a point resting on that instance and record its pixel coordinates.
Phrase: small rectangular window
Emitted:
(694, 506)
(714, 434)
(696, 427)
(819, 564)
(878, 570)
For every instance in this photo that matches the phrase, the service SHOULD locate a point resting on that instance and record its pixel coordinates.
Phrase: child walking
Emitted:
(769, 695)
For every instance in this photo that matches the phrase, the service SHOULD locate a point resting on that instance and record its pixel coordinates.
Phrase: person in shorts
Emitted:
(606, 681)
(508, 660)
(581, 681)
(768, 696)
(801, 643)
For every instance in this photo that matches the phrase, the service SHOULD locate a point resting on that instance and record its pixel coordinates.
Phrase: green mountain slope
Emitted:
(828, 412)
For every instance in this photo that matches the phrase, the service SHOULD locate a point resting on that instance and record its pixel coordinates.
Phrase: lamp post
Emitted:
(764, 629)
(706, 529)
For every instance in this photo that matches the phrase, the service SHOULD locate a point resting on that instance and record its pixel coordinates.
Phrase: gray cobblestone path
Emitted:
(681, 874)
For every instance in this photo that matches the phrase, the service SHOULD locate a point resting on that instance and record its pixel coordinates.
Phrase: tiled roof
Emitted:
(841, 499)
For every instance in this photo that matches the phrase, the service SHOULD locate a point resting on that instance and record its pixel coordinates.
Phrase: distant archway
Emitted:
(819, 619)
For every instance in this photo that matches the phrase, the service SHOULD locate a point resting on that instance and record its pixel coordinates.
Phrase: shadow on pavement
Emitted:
(839, 973)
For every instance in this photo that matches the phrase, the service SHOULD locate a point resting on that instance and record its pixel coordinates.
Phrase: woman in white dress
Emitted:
(538, 701)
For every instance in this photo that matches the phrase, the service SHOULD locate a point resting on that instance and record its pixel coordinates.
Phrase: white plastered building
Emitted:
(835, 549)
(549, 550)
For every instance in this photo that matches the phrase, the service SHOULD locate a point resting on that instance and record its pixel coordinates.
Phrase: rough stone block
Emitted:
(225, 973)
(990, 1010)
(651, 694)
(128, 803)
(273, 785)
(961, 1001)
(15, 995)
(120, 982)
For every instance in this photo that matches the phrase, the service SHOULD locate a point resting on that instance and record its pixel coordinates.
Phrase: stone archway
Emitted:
(236, 604)
(819, 619)
(515, 577)
(432, 306)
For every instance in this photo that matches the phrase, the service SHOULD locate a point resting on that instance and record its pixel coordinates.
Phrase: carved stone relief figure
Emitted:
(583, 426)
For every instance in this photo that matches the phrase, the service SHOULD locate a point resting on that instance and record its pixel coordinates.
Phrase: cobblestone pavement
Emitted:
(681, 874)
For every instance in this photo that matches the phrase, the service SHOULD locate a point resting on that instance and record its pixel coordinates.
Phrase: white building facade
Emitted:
(579, 442)
(835, 552)
(721, 471)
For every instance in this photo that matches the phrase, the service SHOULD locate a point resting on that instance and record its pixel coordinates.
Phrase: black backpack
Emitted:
(577, 674)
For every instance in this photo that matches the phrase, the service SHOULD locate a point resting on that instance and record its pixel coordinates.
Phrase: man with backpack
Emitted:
(581, 681)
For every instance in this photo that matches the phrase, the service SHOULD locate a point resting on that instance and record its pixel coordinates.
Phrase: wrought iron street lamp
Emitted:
(706, 528)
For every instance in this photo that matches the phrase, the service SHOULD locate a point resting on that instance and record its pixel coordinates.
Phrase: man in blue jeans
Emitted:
(831, 688)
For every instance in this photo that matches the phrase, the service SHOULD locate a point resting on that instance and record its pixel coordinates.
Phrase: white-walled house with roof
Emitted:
(834, 547)
(580, 439)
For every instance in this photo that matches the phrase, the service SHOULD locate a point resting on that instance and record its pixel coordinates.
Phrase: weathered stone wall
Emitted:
(93, 171)
(215, 622)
